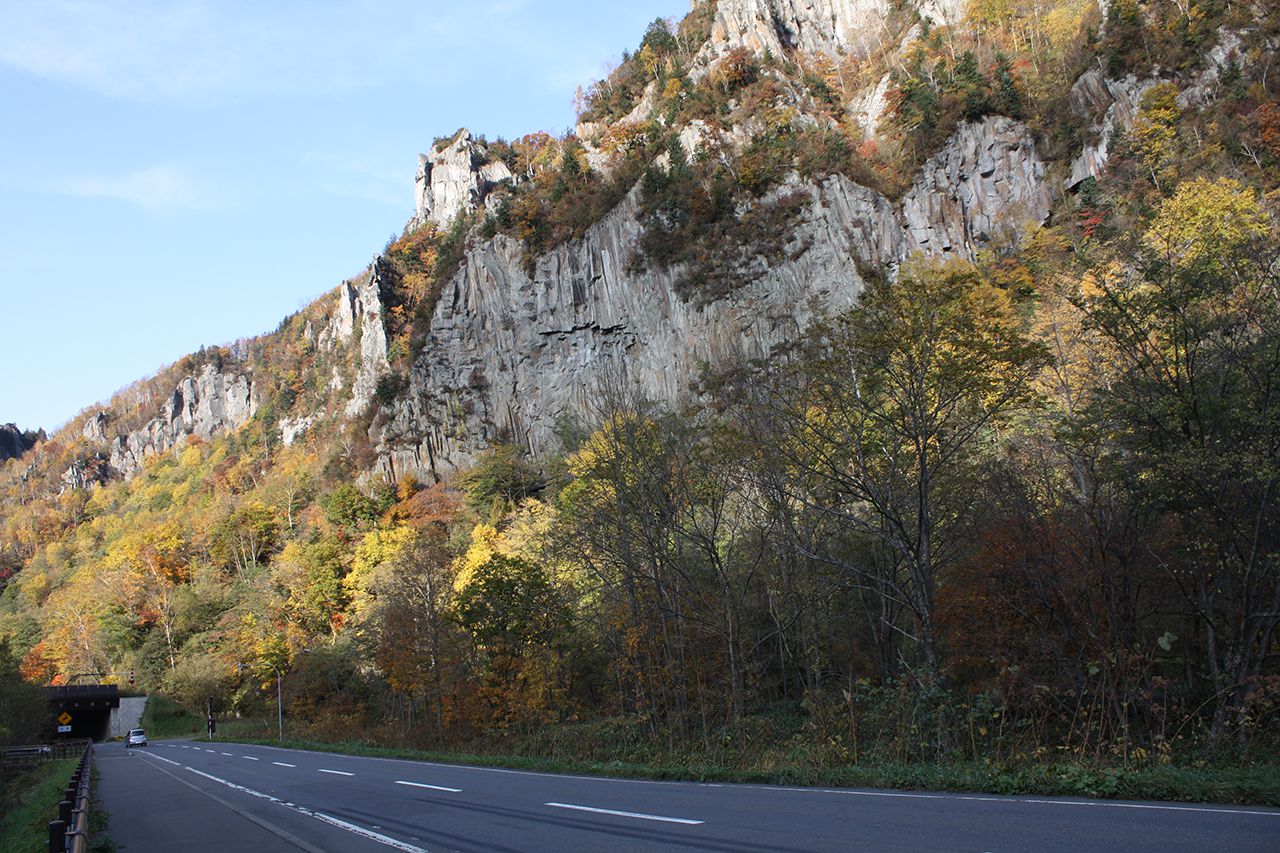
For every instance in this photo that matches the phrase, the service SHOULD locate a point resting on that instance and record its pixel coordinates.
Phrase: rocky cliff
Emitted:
(205, 404)
(516, 340)
(513, 348)
(455, 177)
(515, 343)
(832, 27)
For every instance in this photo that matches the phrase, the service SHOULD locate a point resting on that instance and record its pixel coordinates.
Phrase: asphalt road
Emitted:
(194, 796)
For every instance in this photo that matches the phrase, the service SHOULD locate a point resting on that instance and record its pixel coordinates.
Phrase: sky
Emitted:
(180, 173)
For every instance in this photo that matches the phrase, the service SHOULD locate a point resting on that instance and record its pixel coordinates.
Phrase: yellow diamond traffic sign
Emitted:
(64, 718)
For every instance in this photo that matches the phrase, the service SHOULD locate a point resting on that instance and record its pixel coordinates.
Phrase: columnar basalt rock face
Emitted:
(511, 352)
(985, 186)
(206, 404)
(452, 180)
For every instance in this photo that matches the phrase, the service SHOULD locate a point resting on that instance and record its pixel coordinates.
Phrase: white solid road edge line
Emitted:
(432, 787)
(636, 815)
(335, 772)
(1034, 801)
(367, 833)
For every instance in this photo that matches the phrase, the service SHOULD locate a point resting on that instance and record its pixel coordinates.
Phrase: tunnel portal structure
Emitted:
(83, 710)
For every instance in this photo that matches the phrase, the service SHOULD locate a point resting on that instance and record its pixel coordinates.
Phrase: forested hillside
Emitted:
(951, 435)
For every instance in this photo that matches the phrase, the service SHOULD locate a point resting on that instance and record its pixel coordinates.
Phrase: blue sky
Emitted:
(182, 173)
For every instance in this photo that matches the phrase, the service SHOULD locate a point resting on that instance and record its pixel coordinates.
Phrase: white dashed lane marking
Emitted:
(336, 772)
(320, 816)
(432, 787)
(282, 764)
(636, 815)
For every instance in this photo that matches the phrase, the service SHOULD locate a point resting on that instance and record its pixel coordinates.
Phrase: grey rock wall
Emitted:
(1113, 104)
(781, 26)
(514, 349)
(209, 403)
(985, 186)
(454, 179)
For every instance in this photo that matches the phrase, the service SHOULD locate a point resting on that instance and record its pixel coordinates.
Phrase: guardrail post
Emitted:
(57, 836)
(64, 811)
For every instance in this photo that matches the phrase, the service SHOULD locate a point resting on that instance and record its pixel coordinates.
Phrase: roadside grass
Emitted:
(165, 718)
(1254, 785)
(30, 801)
(770, 749)
(99, 818)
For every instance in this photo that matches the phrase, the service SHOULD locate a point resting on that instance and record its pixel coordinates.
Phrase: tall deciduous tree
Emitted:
(1195, 412)
(898, 400)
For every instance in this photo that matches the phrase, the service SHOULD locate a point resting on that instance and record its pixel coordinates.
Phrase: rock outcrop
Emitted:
(86, 472)
(985, 186)
(1116, 101)
(357, 321)
(15, 442)
(453, 179)
(511, 351)
(513, 347)
(782, 26)
(943, 12)
(372, 364)
(832, 27)
(209, 403)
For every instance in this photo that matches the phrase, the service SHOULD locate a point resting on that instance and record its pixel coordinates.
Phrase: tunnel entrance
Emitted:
(83, 710)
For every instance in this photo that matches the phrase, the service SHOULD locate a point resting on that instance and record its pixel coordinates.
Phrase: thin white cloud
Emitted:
(161, 188)
(182, 50)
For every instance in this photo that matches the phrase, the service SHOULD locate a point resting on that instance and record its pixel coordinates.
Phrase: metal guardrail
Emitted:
(70, 832)
(14, 758)
(26, 757)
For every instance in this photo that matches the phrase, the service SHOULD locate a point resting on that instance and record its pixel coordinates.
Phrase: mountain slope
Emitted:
(844, 347)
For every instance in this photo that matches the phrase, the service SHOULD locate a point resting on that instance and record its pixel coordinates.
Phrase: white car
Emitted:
(136, 737)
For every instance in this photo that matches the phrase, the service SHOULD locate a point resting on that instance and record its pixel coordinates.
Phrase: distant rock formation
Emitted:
(15, 442)
(453, 179)
(208, 403)
(810, 26)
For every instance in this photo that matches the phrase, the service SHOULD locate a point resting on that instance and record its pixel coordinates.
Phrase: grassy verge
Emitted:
(1238, 785)
(165, 718)
(99, 818)
(772, 749)
(30, 801)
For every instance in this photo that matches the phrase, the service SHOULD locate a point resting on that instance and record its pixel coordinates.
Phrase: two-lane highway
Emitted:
(215, 796)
